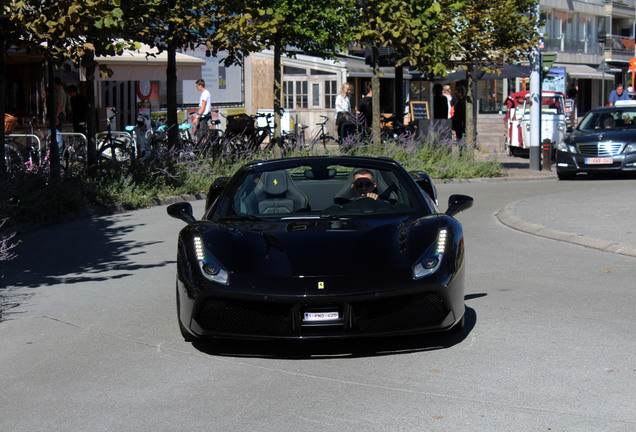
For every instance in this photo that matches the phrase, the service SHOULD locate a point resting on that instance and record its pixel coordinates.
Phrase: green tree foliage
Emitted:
(419, 31)
(65, 32)
(489, 34)
(316, 28)
(170, 25)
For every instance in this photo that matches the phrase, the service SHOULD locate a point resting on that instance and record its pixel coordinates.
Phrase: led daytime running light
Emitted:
(441, 241)
(210, 268)
(198, 246)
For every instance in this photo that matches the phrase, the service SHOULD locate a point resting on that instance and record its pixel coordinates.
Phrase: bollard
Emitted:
(547, 154)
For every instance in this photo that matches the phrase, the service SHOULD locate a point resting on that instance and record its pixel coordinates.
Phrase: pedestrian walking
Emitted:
(200, 121)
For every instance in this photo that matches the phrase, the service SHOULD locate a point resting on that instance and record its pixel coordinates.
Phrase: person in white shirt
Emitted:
(343, 106)
(203, 115)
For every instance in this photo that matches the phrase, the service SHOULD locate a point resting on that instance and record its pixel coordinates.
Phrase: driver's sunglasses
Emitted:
(363, 183)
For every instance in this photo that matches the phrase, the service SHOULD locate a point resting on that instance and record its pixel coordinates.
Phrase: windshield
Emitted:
(306, 191)
(549, 105)
(618, 119)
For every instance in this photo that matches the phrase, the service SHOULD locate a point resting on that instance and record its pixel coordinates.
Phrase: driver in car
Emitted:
(363, 185)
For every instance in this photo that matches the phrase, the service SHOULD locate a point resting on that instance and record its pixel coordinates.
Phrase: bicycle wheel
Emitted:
(13, 158)
(324, 141)
(115, 153)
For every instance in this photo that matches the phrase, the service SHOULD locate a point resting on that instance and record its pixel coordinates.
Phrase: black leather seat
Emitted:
(275, 193)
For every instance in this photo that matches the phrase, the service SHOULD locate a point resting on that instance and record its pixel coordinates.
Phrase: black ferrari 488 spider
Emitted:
(320, 247)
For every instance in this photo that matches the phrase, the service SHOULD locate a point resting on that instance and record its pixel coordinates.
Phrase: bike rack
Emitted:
(78, 134)
(37, 138)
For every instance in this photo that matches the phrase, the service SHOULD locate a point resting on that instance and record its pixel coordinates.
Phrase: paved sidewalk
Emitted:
(607, 224)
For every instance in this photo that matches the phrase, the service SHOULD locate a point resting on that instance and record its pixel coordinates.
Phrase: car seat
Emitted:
(275, 193)
(346, 194)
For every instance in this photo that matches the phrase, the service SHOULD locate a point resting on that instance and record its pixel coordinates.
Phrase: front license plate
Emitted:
(321, 316)
(599, 161)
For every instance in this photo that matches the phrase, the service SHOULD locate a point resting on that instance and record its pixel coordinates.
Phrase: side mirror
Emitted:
(215, 190)
(182, 211)
(458, 203)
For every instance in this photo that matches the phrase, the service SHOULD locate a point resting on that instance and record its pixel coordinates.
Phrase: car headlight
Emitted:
(210, 267)
(432, 259)
(630, 148)
(563, 147)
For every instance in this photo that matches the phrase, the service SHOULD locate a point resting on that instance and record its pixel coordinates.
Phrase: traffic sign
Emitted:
(547, 59)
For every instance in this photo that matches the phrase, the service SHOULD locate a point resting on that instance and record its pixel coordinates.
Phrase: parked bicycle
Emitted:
(114, 147)
(320, 136)
(392, 127)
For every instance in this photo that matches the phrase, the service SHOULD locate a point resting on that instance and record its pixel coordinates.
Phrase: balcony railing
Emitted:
(623, 4)
(620, 45)
(582, 46)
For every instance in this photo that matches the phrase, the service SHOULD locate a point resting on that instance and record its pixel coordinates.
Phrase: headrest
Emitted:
(275, 182)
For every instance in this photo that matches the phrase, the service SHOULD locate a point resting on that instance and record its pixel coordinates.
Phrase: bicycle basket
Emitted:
(240, 124)
(10, 123)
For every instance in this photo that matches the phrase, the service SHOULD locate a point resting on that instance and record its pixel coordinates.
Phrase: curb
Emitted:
(508, 217)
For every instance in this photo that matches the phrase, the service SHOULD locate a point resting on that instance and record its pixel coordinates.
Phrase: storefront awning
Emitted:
(137, 66)
(507, 72)
(358, 68)
(582, 71)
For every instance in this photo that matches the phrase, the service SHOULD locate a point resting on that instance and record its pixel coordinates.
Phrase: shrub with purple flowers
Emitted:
(31, 198)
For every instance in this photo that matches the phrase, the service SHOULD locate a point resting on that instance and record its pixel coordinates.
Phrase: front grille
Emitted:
(245, 318)
(601, 149)
(400, 314)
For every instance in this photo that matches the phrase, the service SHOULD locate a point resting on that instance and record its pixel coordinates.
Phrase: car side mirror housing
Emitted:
(182, 211)
(215, 190)
(458, 203)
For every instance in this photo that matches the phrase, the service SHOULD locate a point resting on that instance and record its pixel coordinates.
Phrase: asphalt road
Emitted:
(92, 343)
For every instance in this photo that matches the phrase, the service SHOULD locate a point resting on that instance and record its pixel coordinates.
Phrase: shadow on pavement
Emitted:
(75, 252)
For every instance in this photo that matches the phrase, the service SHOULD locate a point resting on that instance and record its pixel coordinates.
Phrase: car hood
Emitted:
(582, 137)
(320, 247)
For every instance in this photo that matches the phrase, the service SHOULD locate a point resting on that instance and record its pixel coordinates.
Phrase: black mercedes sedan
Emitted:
(603, 142)
(320, 247)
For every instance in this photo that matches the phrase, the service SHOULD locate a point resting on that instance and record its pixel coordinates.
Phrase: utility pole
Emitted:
(535, 109)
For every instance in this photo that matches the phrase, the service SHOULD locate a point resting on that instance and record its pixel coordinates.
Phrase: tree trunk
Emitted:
(398, 105)
(171, 82)
(54, 153)
(277, 136)
(91, 126)
(375, 97)
(3, 74)
(470, 119)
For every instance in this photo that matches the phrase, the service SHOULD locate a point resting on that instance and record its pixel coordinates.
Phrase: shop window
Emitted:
(295, 94)
(315, 95)
(302, 97)
(331, 91)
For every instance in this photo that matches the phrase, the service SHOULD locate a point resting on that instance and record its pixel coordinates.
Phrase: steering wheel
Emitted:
(366, 204)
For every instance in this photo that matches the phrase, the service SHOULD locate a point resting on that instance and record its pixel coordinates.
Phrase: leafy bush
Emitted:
(30, 197)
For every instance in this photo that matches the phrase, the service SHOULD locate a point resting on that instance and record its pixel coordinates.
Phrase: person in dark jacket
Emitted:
(459, 115)
(79, 107)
